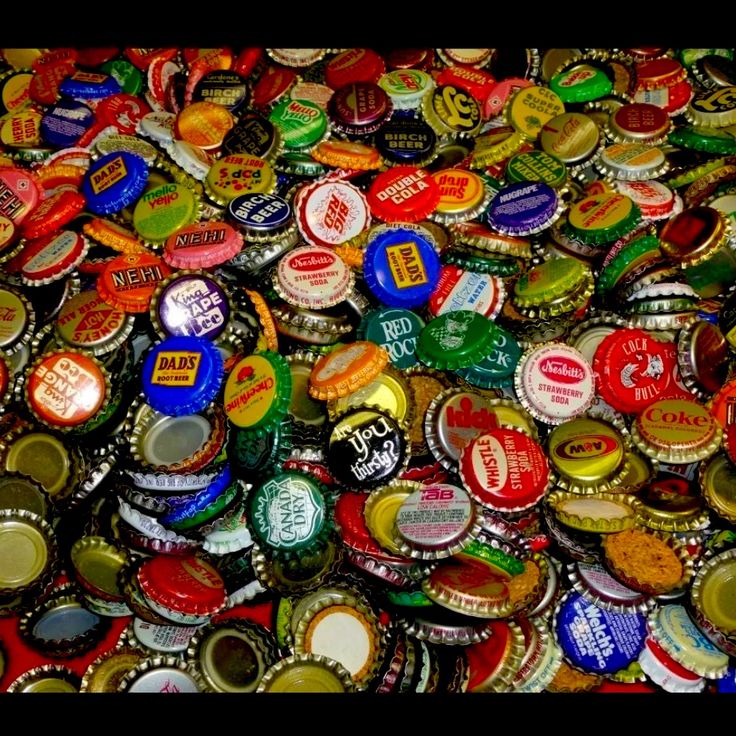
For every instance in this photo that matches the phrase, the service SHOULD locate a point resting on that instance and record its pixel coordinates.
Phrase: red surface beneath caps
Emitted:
(20, 658)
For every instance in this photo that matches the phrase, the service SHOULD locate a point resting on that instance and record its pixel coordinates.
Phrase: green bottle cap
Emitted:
(455, 340)
(408, 598)
(601, 218)
(496, 370)
(302, 123)
(127, 76)
(482, 262)
(252, 452)
(581, 83)
(289, 514)
(635, 252)
(709, 140)
(549, 281)
(395, 329)
(258, 391)
(536, 166)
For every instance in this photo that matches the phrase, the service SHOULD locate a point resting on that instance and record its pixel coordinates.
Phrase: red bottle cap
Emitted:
(505, 470)
(633, 370)
(403, 194)
(65, 389)
(247, 60)
(128, 281)
(44, 87)
(186, 584)
(272, 85)
(53, 213)
(485, 659)
(410, 59)
(354, 65)
(19, 194)
(478, 83)
(51, 256)
(56, 57)
(662, 72)
(96, 55)
(500, 94)
(142, 58)
(123, 111)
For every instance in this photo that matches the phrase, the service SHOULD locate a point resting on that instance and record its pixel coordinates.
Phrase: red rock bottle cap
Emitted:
(403, 194)
(187, 585)
(202, 245)
(554, 382)
(632, 369)
(331, 212)
(312, 277)
(128, 281)
(505, 470)
(65, 389)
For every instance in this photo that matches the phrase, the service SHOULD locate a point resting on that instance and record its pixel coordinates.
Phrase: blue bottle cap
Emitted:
(198, 502)
(114, 182)
(259, 212)
(65, 123)
(401, 268)
(496, 370)
(182, 375)
(406, 140)
(595, 640)
(394, 329)
(523, 209)
(89, 86)
(727, 684)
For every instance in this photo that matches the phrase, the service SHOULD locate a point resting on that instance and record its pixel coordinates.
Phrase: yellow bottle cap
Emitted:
(463, 195)
(718, 482)
(587, 450)
(571, 137)
(380, 512)
(27, 550)
(105, 673)
(48, 678)
(713, 591)
(97, 564)
(347, 155)
(44, 458)
(240, 173)
(531, 108)
(203, 124)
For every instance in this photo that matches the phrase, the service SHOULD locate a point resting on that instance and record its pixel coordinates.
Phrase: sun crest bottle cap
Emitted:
(114, 182)
(182, 375)
(401, 268)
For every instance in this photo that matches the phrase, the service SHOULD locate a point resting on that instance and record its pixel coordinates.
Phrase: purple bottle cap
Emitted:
(193, 305)
(523, 209)
(359, 108)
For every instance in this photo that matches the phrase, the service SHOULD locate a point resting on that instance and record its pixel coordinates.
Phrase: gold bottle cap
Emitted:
(18, 491)
(306, 673)
(328, 623)
(668, 509)
(380, 512)
(389, 392)
(44, 458)
(641, 469)
(97, 564)
(714, 108)
(49, 678)
(569, 680)
(425, 384)
(693, 236)
(714, 590)
(600, 513)
(647, 561)
(302, 406)
(105, 673)
(494, 663)
(233, 654)
(530, 108)
(717, 478)
(162, 674)
(572, 137)
(27, 551)
(676, 431)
